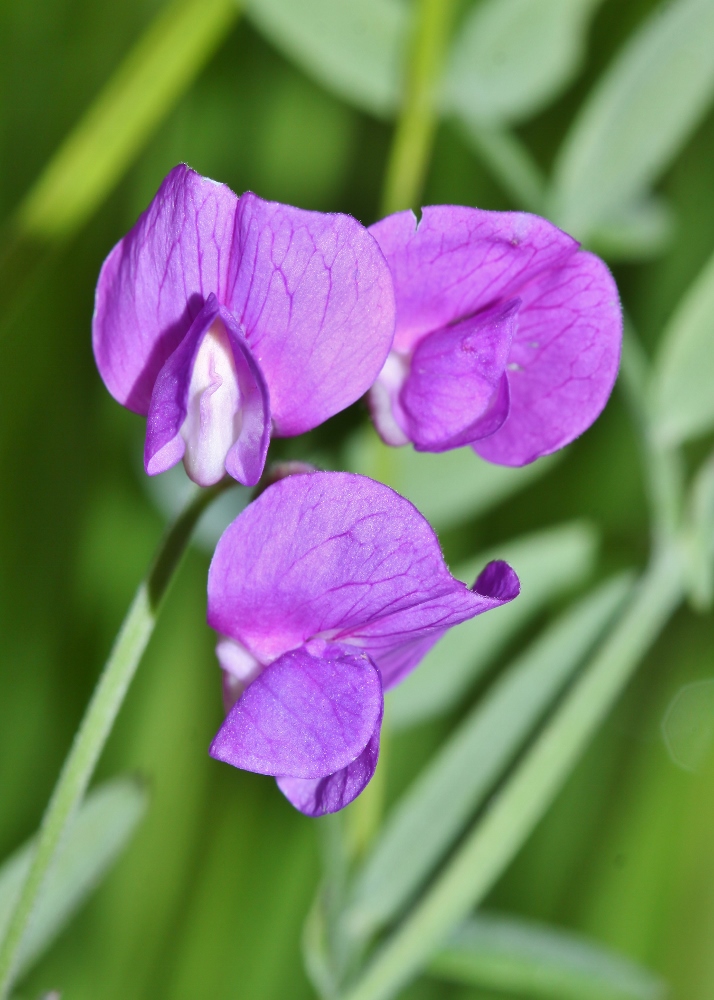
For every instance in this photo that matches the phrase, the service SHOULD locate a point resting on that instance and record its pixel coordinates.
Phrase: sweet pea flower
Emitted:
(221, 318)
(508, 335)
(325, 591)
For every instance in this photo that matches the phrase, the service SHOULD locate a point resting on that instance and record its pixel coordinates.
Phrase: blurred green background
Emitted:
(210, 896)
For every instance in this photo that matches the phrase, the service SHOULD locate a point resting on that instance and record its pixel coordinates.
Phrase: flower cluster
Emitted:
(227, 319)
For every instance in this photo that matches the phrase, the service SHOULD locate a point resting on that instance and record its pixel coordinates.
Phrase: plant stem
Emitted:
(98, 720)
(414, 135)
(517, 808)
(662, 465)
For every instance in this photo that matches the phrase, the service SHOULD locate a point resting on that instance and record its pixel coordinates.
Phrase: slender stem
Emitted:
(662, 465)
(515, 810)
(414, 135)
(98, 720)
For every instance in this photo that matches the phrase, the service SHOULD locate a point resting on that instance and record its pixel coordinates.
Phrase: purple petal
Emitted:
(156, 280)
(337, 556)
(563, 361)
(222, 410)
(455, 381)
(305, 716)
(457, 261)
(314, 295)
(318, 796)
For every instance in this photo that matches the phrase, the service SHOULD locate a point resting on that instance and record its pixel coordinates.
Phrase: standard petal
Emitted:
(318, 796)
(314, 295)
(338, 556)
(229, 417)
(156, 280)
(455, 378)
(305, 716)
(563, 362)
(457, 260)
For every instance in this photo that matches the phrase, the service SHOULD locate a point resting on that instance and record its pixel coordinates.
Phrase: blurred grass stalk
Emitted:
(416, 127)
(96, 154)
(97, 723)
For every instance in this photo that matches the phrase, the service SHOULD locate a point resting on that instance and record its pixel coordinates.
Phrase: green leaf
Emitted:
(699, 538)
(447, 488)
(430, 816)
(520, 803)
(639, 114)
(157, 71)
(353, 47)
(682, 396)
(99, 833)
(548, 563)
(512, 57)
(528, 959)
(640, 231)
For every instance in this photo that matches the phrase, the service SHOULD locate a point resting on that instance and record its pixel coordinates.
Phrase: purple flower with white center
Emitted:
(326, 590)
(508, 335)
(222, 318)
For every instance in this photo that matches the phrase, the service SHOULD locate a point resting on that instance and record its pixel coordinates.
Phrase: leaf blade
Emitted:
(523, 957)
(431, 814)
(548, 563)
(638, 115)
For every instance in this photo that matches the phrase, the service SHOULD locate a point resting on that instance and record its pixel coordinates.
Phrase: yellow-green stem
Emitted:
(414, 135)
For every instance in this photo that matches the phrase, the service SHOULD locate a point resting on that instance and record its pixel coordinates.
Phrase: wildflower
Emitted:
(326, 590)
(221, 318)
(508, 335)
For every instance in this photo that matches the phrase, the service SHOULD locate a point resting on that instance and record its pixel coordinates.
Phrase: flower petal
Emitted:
(454, 380)
(248, 413)
(156, 280)
(318, 796)
(305, 716)
(458, 260)
(314, 295)
(563, 362)
(340, 556)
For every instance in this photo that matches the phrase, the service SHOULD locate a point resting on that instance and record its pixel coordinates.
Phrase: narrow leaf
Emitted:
(143, 90)
(548, 563)
(355, 48)
(430, 816)
(524, 958)
(699, 538)
(512, 57)
(640, 231)
(447, 488)
(523, 799)
(97, 836)
(642, 110)
(683, 399)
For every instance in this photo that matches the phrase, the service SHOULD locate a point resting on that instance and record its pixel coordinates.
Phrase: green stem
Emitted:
(517, 808)
(414, 135)
(98, 720)
(662, 465)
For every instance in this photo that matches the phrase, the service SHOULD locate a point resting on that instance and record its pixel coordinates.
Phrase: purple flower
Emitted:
(508, 335)
(325, 590)
(221, 318)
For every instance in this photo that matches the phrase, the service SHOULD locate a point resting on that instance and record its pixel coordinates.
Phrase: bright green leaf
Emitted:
(353, 47)
(683, 393)
(699, 538)
(431, 815)
(548, 563)
(523, 958)
(99, 833)
(512, 57)
(639, 114)
(447, 488)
